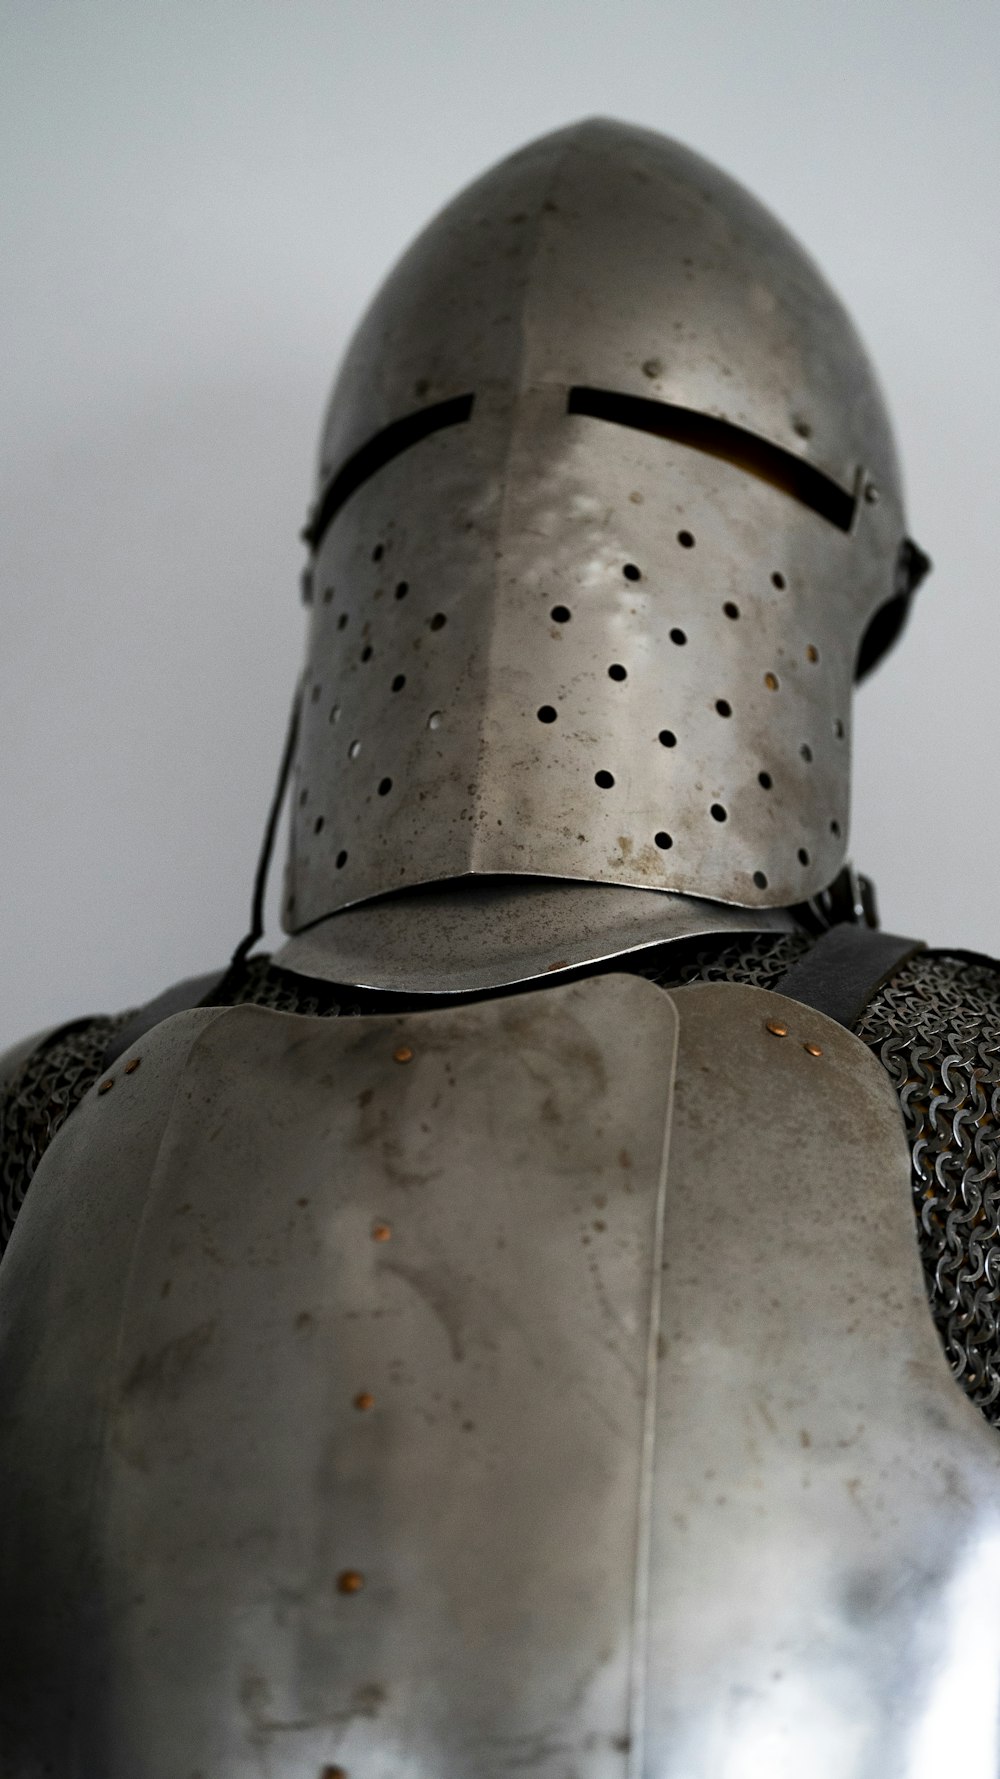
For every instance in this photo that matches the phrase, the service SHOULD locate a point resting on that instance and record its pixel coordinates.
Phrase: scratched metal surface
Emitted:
(626, 586)
(824, 1550)
(346, 1500)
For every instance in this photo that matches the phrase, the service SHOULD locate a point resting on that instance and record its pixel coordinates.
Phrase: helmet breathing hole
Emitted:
(341, 860)
(378, 552)
(318, 825)
(723, 707)
(765, 779)
(731, 610)
(777, 580)
(686, 540)
(806, 751)
(760, 880)
(718, 813)
(367, 652)
(402, 589)
(547, 714)
(342, 621)
(438, 621)
(617, 671)
(838, 728)
(835, 826)
(399, 682)
(678, 637)
(561, 614)
(664, 840)
(604, 779)
(384, 787)
(631, 572)
(667, 738)
(803, 856)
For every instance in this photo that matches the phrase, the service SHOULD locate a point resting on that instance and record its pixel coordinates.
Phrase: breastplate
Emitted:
(545, 1385)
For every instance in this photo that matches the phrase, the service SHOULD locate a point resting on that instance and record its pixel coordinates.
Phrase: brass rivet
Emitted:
(350, 1581)
(812, 652)
(812, 1049)
(381, 1232)
(403, 1053)
(132, 1065)
(776, 1029)
(771, 681)
(364, 1399)
(107, 1085)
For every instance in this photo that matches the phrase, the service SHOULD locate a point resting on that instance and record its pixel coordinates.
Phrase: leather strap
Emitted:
(843, 970)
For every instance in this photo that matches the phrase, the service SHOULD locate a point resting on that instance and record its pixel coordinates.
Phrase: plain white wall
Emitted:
(199, 198)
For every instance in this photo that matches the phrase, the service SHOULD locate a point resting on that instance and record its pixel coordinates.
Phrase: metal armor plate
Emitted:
(326, 1361)
(376, 1403)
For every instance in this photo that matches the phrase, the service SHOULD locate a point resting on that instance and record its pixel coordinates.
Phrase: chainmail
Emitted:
(935, 1027)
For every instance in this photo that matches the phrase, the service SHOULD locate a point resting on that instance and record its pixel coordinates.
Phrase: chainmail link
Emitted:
(935, 1027)
(38, 1099)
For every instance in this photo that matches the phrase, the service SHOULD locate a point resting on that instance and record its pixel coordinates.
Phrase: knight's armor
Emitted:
(543, 1319)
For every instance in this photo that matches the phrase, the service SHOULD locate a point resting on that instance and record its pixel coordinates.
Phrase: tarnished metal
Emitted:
(406, 1429)
(217, 1564)
(456, 939)
(824, 1544)
(553, 634)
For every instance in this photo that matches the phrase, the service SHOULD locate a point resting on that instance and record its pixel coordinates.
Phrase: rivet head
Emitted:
(381, 1232)
(333, 1773)
(812, 1049)
(350, 1581)
(776, 1029)
(364, 1400)
(107, 1085)
(402, 1053)
(132, 1065)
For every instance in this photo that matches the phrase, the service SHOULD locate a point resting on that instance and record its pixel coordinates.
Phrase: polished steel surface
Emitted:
(457, 939)
(824, 1551)
(547, 643)
(328, 1418)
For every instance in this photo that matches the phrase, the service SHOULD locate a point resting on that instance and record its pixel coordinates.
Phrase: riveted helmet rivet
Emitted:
(132, 1065)
(107, 1085)
(776, 1029)
(812, 1049)
(381, 1232)
(402, 1053)
(350, 1581)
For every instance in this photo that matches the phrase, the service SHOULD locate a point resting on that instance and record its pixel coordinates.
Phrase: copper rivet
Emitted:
(402, 1054)
(776, 1029)
(812, 652)
(106, 1086)
(812, 1049)
(771, 681)
(381, 1232)
(350, 1581)
(132, 1065)
(364, 1399)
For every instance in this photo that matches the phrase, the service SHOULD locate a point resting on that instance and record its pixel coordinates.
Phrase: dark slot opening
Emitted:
(720, 438)
(391, 442)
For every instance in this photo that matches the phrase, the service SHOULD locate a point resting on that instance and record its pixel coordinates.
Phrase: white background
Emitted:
(198, 200)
